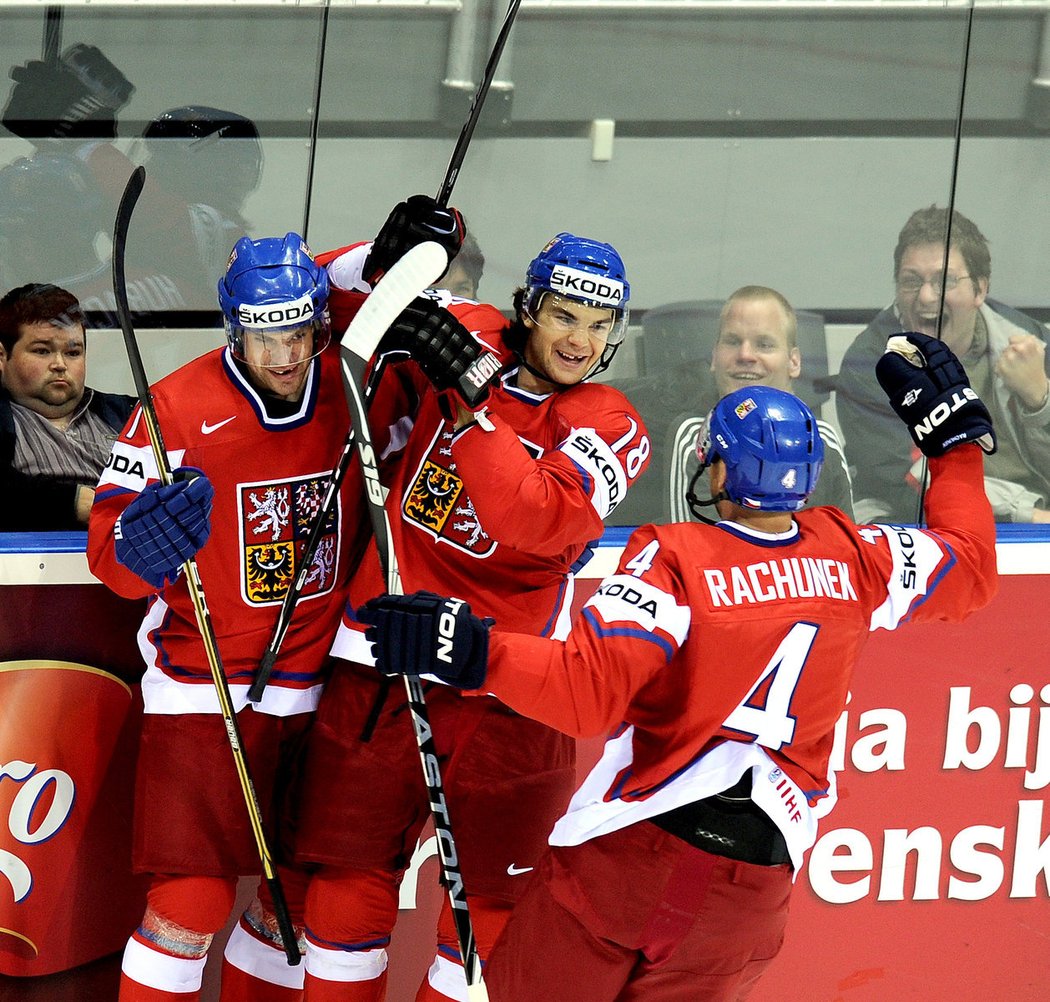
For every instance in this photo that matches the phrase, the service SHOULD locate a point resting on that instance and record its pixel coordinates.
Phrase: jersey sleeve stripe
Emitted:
(920, 561)
(603, 632)
(594, 457)
(627, 599)
(946, 566)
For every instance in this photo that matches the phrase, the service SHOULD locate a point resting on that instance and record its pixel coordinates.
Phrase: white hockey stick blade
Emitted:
(417, 270)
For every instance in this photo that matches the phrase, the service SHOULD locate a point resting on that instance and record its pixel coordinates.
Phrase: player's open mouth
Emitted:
(571, 359)
(928, 322)
(745, 377)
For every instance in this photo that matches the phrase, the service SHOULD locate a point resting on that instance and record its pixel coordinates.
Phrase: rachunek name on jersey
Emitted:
(776, 580)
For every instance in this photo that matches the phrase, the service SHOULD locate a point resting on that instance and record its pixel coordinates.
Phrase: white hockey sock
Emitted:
(261, 959)
(448, 979)
(344, 965)
(161, 971)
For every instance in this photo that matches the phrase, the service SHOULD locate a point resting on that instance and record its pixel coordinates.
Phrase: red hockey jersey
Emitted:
(715, 649)
(502, 511)
(269, 475)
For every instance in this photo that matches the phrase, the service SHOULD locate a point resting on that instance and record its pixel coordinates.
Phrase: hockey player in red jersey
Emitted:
(496, 492)
(717, 659)
(255, 428)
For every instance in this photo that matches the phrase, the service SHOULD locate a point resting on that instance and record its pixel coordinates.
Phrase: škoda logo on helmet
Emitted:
(277, 314)
(580, 284)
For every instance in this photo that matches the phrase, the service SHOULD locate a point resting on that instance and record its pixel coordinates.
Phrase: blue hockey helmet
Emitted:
(272, 290)
(770, 444)
(586, 271)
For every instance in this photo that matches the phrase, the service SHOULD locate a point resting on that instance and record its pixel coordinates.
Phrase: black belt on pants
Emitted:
(728, 824)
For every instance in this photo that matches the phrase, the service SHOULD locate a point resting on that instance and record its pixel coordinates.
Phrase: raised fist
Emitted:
(412, 222)
(449, 355)
(930, 391)
(76, 98)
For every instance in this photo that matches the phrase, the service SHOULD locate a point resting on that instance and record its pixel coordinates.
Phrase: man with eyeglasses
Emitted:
(1002, 350)
(497, 495)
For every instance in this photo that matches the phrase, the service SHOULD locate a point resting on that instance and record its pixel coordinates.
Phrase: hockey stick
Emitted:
(291, 598)
(193, 581)
(924, 477)
(52, 40)
(456, 161)
(417, 270)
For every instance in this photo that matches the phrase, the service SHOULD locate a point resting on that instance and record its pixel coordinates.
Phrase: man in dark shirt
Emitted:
(1004, 355)
(55, 433)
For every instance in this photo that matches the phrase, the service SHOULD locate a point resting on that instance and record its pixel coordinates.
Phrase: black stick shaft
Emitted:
(355, 353)
(291, 599)
(51, 46)
(193, 582)
(460, 151)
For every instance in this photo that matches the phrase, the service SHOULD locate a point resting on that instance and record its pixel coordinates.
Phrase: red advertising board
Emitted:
(929, 880)
(67, 740)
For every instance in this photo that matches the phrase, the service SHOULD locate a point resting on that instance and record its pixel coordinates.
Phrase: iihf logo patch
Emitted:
(275, 521)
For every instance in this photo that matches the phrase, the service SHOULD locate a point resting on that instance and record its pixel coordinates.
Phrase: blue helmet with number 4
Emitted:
(770, 444)
(273, 291)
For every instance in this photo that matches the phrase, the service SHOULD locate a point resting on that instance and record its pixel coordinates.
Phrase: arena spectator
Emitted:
(55, 432)
(1002, 350)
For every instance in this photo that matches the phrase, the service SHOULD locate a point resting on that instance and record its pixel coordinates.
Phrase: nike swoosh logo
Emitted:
(207, 429)
(514, 871)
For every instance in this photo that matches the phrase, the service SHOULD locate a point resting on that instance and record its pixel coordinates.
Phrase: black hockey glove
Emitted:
(928, 388)
(449, 355)
(413, 222)
(76, 98)
(425, 634)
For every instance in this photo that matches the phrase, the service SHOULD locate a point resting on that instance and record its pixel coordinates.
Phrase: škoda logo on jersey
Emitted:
(437, 502)
(275, 521)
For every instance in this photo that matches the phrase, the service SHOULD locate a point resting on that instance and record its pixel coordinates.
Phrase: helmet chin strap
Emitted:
(600, 366)
(540, 375)
(695, 503)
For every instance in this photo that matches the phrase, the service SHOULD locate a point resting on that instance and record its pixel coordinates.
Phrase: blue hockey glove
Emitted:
(928, 388)
(165, 526)
(450, 357)
(413, 222)
(425, 634)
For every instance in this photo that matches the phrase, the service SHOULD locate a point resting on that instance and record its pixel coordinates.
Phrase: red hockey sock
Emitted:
(240, 986)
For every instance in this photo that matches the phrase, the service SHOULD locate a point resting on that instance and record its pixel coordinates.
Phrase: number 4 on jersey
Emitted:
(765, 712)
